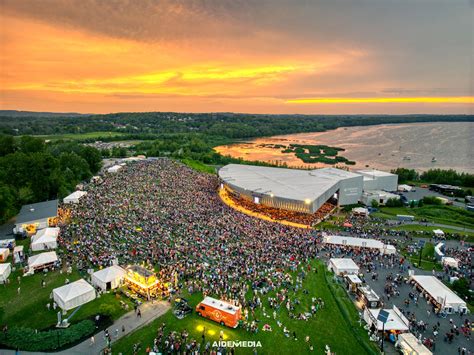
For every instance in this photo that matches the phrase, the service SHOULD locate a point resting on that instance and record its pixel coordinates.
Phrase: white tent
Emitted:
(73, 295)
(396, 320)
(410, 345)
(341, 266)
(438, 233)
(18, 254)
(74, 197)
(360, 211)
(439, 294)
(45, 239)
(114, 169)
(359, 243)
(451, 262)
(108, 278)
(5, 271)
(4, 252)
(43, 259)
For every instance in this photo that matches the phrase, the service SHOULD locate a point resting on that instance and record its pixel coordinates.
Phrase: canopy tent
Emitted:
(341, 266)
(74, 294)
(41, 260)
(396, 320)
(360, 211)
(451, 262)
(45, 239)
(359, 243)
(410, 345)
(5, 271)
(439, 294)
(439, 250)
(4, 252)
(74, 197)
(18, 254)
(7, 243)
(438, 233)
(108, 278)
(114, 169)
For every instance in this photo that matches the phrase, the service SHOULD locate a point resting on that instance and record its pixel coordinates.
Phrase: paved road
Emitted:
(429, 224)
(149, 311)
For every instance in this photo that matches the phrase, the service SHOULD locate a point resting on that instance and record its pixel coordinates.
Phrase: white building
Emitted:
(379, 180)
(74, 294)
(108, 278)
(439, 294)
(45, 239)
(74, 197)
(378, 195)
(343, 266)
(38, 214)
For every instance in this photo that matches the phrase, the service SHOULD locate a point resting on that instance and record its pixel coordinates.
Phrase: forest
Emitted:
(32, 170)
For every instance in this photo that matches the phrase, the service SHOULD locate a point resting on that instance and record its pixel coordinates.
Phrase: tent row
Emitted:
(359, 243)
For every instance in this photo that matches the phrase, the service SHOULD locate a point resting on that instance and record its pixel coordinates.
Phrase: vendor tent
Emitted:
(439, 294)
(18, 254)
(451, 262)
(45, 239)
(44, 259)
(114, 169)
(359, 243)
(360, 211)
(74, 197)
(5, 270)
(4, 252)
(108, 278)
(342, 266)
(439, 233)
(73, 295)
(410, 345)
(396, 320)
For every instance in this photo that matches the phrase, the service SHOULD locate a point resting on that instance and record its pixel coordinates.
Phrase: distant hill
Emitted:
(15, 113)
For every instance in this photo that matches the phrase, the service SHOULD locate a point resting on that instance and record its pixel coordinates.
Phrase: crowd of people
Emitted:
(164, 213)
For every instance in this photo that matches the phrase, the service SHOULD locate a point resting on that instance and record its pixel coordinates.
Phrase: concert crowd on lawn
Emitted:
(165, 213)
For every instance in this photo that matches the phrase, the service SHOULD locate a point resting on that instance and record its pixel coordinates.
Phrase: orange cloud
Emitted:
(371, 100)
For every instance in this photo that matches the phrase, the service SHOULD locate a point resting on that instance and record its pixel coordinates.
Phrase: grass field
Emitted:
(449, 215)
(28, 308)
(331, 326)
(82, 136)
(197, 165)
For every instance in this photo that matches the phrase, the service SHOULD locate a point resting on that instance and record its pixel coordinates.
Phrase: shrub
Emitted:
(31, 340)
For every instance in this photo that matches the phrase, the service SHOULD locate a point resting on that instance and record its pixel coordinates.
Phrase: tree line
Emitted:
(435, 176)
(32, 170)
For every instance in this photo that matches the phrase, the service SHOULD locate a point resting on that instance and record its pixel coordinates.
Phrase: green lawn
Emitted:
(83, 136)
(449, 215)
(329, 326)
(198, 166)
(28, 309)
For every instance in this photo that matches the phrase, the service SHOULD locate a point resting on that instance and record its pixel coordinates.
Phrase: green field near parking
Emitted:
(83, 136)
(440, 214)
(335, 325)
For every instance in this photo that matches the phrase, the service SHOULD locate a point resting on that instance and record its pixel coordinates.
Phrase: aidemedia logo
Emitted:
(237, 344)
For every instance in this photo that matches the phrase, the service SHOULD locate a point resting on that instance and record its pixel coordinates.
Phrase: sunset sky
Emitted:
(99, 56)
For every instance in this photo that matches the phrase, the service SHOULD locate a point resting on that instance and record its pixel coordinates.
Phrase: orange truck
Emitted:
(219, 311)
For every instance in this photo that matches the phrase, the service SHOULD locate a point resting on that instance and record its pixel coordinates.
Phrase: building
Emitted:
(291, 189)
(377, 195)
(36, 216)
(379, 180)
(303, 190)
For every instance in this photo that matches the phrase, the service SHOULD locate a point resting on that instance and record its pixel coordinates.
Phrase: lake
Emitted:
(419, 146)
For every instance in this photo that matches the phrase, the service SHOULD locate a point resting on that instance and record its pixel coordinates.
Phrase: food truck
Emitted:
(219, 311)
(368, 297)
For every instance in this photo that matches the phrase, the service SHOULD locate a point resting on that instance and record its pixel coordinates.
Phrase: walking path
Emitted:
(429, 224)
(130, 321)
